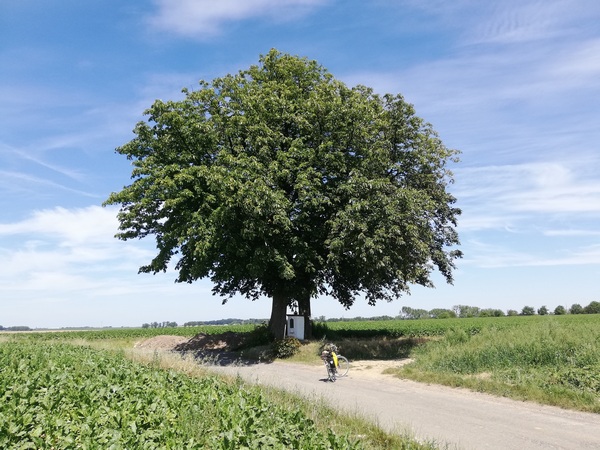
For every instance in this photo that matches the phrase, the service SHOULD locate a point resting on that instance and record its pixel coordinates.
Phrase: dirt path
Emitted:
(457, 418)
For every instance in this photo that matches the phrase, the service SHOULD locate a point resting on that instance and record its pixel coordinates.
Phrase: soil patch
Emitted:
(225, 342)
(376, 368)
(166, 343)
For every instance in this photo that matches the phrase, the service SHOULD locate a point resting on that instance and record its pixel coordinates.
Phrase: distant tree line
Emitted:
(463, 311)
(160, 325)
(19, 328)
(354, 319)
(198, 323)
(225, 322)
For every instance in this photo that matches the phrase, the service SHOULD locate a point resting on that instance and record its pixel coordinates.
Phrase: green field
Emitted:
(553, 360)
(130, 333)
(61, 391)
(82, 389)
(439, 327)
(549, 359)
(65, 396)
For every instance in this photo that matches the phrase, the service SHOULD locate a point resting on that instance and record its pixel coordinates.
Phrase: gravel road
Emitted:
(453, 418)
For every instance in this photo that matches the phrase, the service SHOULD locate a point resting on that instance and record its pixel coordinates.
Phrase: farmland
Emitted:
(134, 333)
(439, 327)
(72, 390)
(81, 389)
(65, 396)
(553, 360)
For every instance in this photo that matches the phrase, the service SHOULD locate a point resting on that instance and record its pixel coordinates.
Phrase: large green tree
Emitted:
(281, 181)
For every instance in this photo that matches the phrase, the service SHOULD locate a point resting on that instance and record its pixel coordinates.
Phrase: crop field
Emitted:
(57, 395)
(131, 333)
(439, 327)
(58, 390)
(548, 359)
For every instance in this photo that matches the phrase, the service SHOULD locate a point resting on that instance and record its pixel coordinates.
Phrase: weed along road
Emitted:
(452, 418)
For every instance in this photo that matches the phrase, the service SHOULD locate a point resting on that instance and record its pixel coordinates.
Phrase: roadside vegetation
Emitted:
(552, 360)
(88, 394)
(549, 359)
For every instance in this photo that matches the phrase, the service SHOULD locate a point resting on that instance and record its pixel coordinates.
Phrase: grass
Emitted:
(551, 361)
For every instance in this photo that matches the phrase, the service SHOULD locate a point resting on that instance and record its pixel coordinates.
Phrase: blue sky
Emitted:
(513, 84)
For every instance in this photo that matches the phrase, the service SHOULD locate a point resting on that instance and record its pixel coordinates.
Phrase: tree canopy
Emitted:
(282, 181)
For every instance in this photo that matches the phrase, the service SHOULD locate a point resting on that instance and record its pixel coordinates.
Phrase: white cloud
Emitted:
(491, 255)
(69, 226)
(67, 248)
(63, 267)
(514, 22)
(572, 233)
(203, 18)
(495, 195)
(510, 21)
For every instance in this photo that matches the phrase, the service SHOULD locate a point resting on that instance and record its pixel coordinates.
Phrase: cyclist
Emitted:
(329, 356)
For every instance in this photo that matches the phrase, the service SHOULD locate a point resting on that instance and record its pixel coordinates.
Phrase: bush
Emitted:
(320, 330)
(527, 311)
(378, 348)
(261, 335)
(576, 308)
(592, 308)
(286, 347)
(560, 310)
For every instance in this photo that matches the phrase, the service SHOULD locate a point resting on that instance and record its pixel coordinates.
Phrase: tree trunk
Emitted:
(278, 316)
(304, 310)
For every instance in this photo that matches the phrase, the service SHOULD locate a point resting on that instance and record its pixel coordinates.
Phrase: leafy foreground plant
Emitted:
(62, 396)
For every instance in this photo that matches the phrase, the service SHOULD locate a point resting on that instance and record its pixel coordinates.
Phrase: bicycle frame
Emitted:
(336, 365)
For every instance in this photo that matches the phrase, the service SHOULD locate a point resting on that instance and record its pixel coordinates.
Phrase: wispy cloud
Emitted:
(29, 157)
(572, 232)
(205, 18)
(509, 195)
(69, 226)
(518, 22)
(511, 21)
(68, 260)
(15, 181)
(491, 255)
(488, 79)
(60, 244)
(581, 63)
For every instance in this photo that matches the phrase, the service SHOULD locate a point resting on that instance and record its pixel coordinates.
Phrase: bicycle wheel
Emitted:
(343, 366)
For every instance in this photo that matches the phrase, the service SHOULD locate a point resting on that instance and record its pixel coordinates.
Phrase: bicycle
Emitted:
(336, 365)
